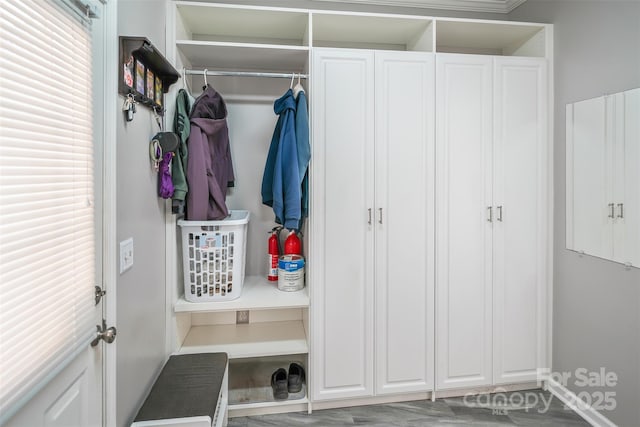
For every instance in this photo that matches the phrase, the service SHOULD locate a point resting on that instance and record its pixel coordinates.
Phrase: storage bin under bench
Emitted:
(191, 391)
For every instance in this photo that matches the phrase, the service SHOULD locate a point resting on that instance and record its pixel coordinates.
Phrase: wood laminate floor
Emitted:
(532, 408)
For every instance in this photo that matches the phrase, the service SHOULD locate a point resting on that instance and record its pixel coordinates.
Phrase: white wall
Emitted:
(596, 306)
(140, 290)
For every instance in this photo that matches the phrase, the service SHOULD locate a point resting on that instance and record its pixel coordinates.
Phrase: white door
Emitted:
(519, 240)
(463, 220)
(589, 228)
(342, 223)
(71, 394)
(404, 221)
(72, 399)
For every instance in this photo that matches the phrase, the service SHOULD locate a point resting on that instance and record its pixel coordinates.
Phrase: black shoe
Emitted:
(279, 384)
(296, 378)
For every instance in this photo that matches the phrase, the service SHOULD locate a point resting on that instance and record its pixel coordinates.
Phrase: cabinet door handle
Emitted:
(369, 216)
(380, 211)
(500, 213)
(621, 206)
(489, 213)
(612, 208)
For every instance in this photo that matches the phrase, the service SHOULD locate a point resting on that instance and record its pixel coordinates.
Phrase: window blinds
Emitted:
(46, 193)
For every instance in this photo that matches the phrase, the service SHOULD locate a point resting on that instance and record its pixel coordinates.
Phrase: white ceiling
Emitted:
(493, 6)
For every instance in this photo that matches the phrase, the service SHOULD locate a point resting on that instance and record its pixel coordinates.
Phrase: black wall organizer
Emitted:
(144, 73)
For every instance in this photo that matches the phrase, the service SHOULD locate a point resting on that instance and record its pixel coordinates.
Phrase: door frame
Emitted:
(109, 90)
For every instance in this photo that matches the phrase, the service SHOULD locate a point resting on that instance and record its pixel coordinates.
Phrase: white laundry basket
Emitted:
(213, 256)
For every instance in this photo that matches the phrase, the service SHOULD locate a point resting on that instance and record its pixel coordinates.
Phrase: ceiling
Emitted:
(493, 6)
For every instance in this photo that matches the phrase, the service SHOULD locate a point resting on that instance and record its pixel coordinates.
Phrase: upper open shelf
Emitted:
(241, 24)
(221, 36)
(256, 38)
(370, 31)
(490, 38)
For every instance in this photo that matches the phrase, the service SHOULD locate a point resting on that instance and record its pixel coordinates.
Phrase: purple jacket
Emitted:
(209, 167)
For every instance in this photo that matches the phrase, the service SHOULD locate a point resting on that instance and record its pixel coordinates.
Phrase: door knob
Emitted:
(108, 335)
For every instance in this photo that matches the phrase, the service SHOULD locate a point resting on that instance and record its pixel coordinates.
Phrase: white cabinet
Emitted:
(372, 223)
(371, 322)
(491, 212)
(603, 160)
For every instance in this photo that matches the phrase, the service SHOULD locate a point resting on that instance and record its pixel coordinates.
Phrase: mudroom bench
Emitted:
(191, 391)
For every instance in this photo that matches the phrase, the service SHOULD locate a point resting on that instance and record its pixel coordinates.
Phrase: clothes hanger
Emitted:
(185, 84)
(298, 88)
(293, 76)
(204, 73)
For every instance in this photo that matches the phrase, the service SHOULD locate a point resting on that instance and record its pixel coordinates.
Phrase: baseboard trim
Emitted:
(373, 400)
(587, 412)
(407, 397)
(498, 388)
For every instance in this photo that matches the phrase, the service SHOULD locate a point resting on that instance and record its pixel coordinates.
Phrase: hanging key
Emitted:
(127, 104)
(129, 107)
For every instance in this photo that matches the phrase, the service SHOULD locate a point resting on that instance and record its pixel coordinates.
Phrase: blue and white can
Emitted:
(290, 273)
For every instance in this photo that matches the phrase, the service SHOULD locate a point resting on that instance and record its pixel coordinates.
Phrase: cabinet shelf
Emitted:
(245, 56)
(490, 38)
(372, 31)
(249, 340)
(257, 294)
(250, 385)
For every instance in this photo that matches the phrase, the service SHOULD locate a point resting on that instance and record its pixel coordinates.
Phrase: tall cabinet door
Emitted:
(588, 184)
(519, 240)
(629, 212)
(463, 220)
(342, 237)
(404, 221)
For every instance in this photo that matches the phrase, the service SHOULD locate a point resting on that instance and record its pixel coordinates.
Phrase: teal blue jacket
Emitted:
(281, 179)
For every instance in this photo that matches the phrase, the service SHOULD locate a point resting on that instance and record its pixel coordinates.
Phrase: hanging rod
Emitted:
(245, 74)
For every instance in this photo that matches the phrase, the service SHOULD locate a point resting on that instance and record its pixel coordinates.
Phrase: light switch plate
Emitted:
(126, 255)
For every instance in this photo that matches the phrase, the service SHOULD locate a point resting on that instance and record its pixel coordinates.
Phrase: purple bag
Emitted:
(165, 184)
(162, 149)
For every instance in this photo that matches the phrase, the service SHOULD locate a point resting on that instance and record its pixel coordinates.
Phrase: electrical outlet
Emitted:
(126, 255)
(242, 316)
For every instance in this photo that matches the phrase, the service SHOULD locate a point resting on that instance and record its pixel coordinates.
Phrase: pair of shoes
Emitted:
(283, 383)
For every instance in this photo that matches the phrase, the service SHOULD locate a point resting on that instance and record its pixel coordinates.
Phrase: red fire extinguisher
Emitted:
(274, 252)
(292, 245)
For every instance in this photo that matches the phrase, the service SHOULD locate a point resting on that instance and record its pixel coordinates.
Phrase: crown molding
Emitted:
(491, 6)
